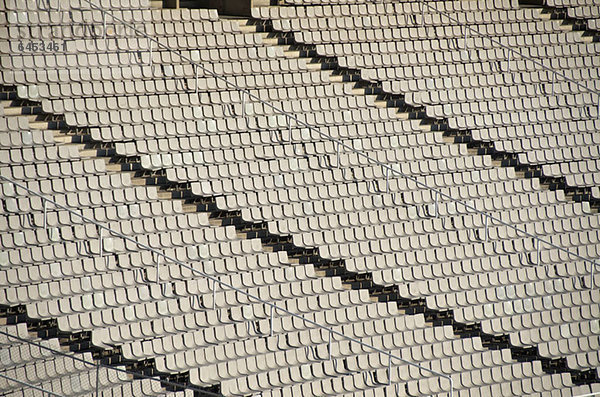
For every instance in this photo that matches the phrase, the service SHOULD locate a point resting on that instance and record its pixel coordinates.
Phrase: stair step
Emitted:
(39, 125)
(270, 41)
(249, 28)
(13, 111)
(244, 22)
(113, 167)
(545, 15)
(292, 54)
(314, 66)
(215, 221)
(342, 78)
(164, 195)
(62, 137)
(587, 38)
(137, 181)
(425, 127)
(59, 137)
(83, 152)
(567, 26)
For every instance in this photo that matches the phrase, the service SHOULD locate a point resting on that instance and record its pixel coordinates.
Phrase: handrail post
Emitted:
(389, 369)
(150, 44)
(437, 210)
(214, 294)
(244, 103)
(158, 269)
(97, 380)
(508, 61)
(271, 320)
(103, 26)
(196, 72)
(422, 13)
(101, 242)
(329, 346)
(45, 214)
(387, 179)
(594, 264)
(486, 228)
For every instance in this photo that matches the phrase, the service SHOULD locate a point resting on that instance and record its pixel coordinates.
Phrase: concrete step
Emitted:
(261, 3)
(567, 26)
(336, 78)
(244, 22)
(135, 181)
(214, 221)
(62, 137)
(190, 208)
(164, 195)
(402, 115)
(13, 111)
(39, 125)
(425, 127)
(270, 40)
(587, 37)
(341, 78)
(545, 14)
(314, 66)
(359, 91)
(248, 28)
(90, 153)
(292, 54)
(112, 167)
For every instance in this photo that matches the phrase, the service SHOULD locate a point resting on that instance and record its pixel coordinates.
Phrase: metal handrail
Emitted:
(387, 169)
(99, 365)
(274, 308)
(589, 394)
(340, 145)
(27, 384)
(493, 40)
